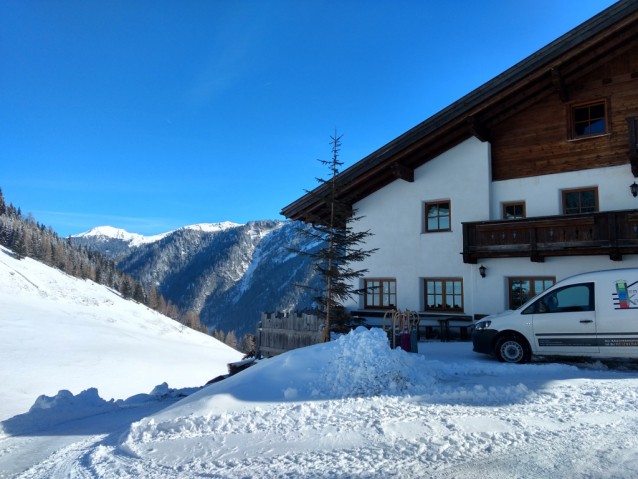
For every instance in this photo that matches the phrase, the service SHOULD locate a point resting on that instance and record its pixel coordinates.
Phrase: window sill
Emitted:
(439, 312)
(436, 231)
(588, 137)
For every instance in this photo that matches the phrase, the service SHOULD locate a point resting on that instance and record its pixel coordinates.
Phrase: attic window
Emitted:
(589, 119)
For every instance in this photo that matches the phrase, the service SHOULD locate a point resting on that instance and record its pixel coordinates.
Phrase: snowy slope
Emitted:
(59, 332)
(355, 408)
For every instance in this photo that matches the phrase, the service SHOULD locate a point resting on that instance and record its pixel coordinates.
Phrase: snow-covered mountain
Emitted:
(60, 332)
(104, 234)
(227, 272)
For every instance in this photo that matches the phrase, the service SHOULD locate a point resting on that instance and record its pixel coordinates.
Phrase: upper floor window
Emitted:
(583, 200)
(589, 119)
(437, 216)
(444, 294)
(380, 293)
(512, 211)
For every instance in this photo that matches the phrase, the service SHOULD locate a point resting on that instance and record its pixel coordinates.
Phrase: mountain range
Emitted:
(227, 272)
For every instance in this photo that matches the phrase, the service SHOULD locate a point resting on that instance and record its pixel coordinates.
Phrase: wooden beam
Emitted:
(559, 85)
(403, 172)
(632, 125)
(477, 129)
(609, 47)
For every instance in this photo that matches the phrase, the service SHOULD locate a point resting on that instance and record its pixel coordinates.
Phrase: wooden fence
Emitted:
(281, 332)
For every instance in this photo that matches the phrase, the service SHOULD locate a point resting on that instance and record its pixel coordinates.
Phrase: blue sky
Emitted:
(152, 115)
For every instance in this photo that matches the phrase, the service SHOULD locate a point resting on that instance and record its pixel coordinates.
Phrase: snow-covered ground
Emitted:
(62, 333)
(355, 408)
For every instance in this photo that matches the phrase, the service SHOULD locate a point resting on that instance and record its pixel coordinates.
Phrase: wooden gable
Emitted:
(538, 140)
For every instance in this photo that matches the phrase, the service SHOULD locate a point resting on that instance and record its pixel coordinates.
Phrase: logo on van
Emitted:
(624, 297)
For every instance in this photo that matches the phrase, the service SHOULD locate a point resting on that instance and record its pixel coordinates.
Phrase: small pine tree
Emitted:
(341, 246)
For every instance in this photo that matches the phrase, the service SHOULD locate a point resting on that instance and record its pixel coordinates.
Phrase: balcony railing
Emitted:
(612, 233)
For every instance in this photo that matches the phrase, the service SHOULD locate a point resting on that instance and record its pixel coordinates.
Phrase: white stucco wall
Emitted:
(395, 214)
(492, 294)
(543, 194)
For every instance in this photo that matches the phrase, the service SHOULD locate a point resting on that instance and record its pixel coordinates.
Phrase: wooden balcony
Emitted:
(612, 233)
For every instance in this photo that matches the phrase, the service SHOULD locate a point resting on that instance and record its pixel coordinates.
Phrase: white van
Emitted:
(591, 314)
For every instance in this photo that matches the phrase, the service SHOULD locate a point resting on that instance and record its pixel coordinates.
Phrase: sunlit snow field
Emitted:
(350, 408)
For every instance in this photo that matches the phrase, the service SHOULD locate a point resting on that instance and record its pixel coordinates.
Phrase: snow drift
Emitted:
(357, 365)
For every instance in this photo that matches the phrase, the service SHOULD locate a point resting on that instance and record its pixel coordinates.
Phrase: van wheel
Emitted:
(512, 349)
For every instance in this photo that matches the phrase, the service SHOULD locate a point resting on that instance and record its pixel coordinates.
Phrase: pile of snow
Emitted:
(60, 332)
(159, 393)
(49, 411)
(362, 364)
(357, 365)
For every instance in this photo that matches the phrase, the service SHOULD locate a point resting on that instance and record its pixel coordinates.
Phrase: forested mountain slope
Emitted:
(229, 273)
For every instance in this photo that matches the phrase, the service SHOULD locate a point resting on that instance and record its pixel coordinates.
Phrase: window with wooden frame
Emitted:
(380, 293)
(444, 294)
(514, 210)
(437, 216)
(582, 200)
(521, 290)
(589, 119)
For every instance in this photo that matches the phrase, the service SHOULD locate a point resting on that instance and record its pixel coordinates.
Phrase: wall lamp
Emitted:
(634, 189)
(482, 268)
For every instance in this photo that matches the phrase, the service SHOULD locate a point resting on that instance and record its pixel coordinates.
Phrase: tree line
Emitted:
(27, 238)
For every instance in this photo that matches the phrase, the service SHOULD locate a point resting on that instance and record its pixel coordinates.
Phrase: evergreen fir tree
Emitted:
(125, 288)
(138, 292)
(19, 245)
(3, 205)
(98, 274)
(341, 245)
(3, 235)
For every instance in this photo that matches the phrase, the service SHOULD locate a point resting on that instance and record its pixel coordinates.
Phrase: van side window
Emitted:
(575, 297)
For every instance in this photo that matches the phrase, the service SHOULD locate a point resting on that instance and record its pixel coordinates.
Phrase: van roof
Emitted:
(592, 274)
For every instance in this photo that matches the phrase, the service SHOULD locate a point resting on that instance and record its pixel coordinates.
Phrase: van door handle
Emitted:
(586, 321)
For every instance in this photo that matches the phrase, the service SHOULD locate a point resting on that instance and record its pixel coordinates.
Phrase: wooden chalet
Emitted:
(527, 176)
